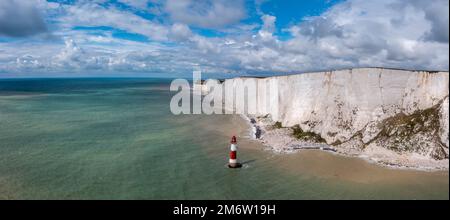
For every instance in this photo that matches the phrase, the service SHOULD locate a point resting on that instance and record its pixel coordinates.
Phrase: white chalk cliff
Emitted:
(365, 110)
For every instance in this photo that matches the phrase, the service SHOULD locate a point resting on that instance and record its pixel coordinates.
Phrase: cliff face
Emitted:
(400, 110)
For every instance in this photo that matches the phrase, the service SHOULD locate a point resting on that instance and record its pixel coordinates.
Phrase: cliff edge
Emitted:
(395, 117)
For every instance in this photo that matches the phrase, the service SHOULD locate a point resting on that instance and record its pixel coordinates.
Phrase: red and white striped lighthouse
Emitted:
(233, 154)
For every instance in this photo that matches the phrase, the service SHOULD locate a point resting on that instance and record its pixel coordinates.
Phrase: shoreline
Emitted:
(280, 141)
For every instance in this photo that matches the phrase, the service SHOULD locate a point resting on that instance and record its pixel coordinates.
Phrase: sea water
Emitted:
(115, 138)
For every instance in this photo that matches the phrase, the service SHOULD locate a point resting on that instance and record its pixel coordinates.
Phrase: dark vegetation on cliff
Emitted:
(277, 125)
(413, 133)
(417, 132)
(300, 134)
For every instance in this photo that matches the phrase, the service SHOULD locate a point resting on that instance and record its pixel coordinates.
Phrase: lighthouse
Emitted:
(233, 154)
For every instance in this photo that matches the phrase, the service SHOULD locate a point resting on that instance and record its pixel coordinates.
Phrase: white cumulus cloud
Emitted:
(409, 34)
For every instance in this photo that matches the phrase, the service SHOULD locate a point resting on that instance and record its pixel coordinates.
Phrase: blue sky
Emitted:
(238, 37)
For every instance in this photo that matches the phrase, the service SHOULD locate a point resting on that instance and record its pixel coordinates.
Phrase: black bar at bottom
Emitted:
(226, 209)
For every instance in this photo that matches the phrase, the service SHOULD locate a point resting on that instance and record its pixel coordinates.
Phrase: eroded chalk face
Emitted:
(237, 96)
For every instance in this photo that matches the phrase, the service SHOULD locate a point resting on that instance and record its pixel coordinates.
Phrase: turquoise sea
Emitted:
(115, 138)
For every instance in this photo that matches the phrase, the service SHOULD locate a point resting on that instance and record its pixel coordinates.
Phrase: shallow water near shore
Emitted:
(116, 139)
